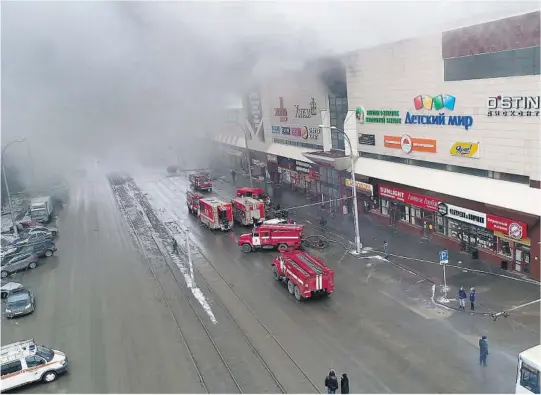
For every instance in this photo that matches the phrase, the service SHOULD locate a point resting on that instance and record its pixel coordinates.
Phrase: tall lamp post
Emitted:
(247, 151)
(15, 230)
(358, 245)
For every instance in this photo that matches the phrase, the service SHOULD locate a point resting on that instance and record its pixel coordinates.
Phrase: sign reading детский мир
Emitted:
(437, 103)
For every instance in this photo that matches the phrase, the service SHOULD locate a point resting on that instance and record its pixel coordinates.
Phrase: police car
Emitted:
(25, 362)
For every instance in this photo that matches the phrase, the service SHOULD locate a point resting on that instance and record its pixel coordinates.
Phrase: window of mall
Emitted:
(501, 236)
(474, 230)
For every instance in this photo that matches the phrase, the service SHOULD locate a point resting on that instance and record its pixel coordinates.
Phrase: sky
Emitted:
(132, 81)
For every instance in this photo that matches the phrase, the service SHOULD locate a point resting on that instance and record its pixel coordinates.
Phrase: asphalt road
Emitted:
(380, 326)
(97, 301)
(123, 331)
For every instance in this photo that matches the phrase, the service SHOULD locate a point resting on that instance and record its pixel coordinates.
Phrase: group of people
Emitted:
(462, 299)
(331, 382)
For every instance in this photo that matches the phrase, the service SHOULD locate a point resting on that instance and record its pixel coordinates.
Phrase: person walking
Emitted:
(472, 298)
(462, 299)
(331, 382)
(386, 249)
(344, 384)
(483, 351)
(175, 245)
(233, 175)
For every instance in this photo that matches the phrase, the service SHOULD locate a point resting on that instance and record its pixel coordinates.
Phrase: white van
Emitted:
(529, 364)
(25, 362)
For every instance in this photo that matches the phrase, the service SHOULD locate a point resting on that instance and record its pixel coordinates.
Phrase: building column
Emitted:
(350, 128)
(326, 133)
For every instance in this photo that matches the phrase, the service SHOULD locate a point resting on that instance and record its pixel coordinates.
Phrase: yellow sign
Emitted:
(525, 241)
(465, 149)
(361, 186)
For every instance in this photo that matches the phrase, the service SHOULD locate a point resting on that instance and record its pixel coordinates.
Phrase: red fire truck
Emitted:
(256, 193)
(281, 236)
(245, 209)
(200, 182)
(192, 201)
(215, 213)
(305, 275)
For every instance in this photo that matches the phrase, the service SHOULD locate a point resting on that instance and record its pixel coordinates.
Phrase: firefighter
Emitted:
(254, 220)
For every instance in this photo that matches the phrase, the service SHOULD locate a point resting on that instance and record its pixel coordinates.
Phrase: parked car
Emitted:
(34, 237)
(28, 231)
(42, 249)
(8, 287)
(18, 303)
(32, 226)
(18, 262)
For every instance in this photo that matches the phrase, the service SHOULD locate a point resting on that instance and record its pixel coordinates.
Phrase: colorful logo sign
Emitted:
(465, 149)
(409, 144)
(415, 199)
(306, 112)
(361, 186)
(437, 103)
(434, 103)
(281, 111)
(276, 129)
(513, 106)
(377, 116)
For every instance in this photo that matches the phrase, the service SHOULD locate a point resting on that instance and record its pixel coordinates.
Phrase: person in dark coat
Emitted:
(331, 382)
(472, 298)
(483, 351)
(462, 299)
(255, 222)
(344, 384)
(386, 249)
(233, 175)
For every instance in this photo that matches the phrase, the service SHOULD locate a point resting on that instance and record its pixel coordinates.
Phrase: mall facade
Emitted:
(445, 127)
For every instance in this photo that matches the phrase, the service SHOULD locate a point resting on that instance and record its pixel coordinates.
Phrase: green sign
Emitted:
(377, 116)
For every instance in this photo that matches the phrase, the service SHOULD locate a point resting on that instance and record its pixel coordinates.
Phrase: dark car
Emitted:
(20, 302)
(19, 262)
(44, 248)
(33, 238)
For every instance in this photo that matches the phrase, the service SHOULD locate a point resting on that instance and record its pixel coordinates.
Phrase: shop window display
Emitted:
(504, 248)
(440, 224)
(404, 212)
(385, 204)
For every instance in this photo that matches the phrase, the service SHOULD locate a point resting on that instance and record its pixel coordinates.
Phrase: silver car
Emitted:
(20, 302)
(18, 262)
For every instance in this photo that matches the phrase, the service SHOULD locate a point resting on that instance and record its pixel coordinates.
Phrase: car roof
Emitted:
(18, 296)
(8, 286)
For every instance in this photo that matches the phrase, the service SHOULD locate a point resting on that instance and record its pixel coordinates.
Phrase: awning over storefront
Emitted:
(334, 159)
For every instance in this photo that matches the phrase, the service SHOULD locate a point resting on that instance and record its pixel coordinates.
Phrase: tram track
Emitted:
(138, 210)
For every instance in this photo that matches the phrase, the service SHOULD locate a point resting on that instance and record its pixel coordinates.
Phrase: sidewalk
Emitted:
(494, 291)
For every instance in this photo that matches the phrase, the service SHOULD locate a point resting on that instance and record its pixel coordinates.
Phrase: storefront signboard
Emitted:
(259, 163)
(252, 106)
(408, 144)
(513, 106)
(281, 112)
(465, 149)
(361, 186)
(367, 139)
(514, 229)
(442, 102)
(303, 167)
(272, 158)
(286, 163)
(415, 199)
(377, 116)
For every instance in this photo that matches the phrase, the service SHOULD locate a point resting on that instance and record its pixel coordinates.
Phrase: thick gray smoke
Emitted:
(129, 81)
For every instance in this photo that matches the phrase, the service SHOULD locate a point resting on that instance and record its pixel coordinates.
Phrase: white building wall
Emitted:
(390, 76)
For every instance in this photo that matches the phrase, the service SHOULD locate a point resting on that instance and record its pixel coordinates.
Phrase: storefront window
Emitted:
(440, 224)
(385, 204)
(504, 248)
(404, 213)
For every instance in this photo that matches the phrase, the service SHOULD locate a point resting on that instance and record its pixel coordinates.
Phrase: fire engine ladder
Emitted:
(312, 265)
(16, 350)
(295, 264)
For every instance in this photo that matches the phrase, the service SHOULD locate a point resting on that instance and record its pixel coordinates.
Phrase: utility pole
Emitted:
(12, 214)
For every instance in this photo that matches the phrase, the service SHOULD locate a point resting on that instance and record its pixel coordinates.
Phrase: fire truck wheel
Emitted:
(298, 295)
(275, 273)
(282, 247)
(291, 287)
(246, 248)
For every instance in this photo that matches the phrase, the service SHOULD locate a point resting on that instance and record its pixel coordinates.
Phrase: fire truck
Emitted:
(200, 182)
(306, 276)
(192, 201)
(216, 214)
(246, 209)
(281, 236)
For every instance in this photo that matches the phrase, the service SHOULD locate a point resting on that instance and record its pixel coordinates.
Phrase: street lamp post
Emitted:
(358, 245)
(15, 230)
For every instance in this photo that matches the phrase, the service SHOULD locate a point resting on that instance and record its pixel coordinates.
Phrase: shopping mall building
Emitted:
(446, 128)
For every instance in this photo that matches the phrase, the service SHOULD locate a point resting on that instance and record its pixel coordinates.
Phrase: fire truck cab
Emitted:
(272, 236)
(192, 201)
(246, 209)
(256, 193)
(216, 214)
(200, 182)
(305, 275)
